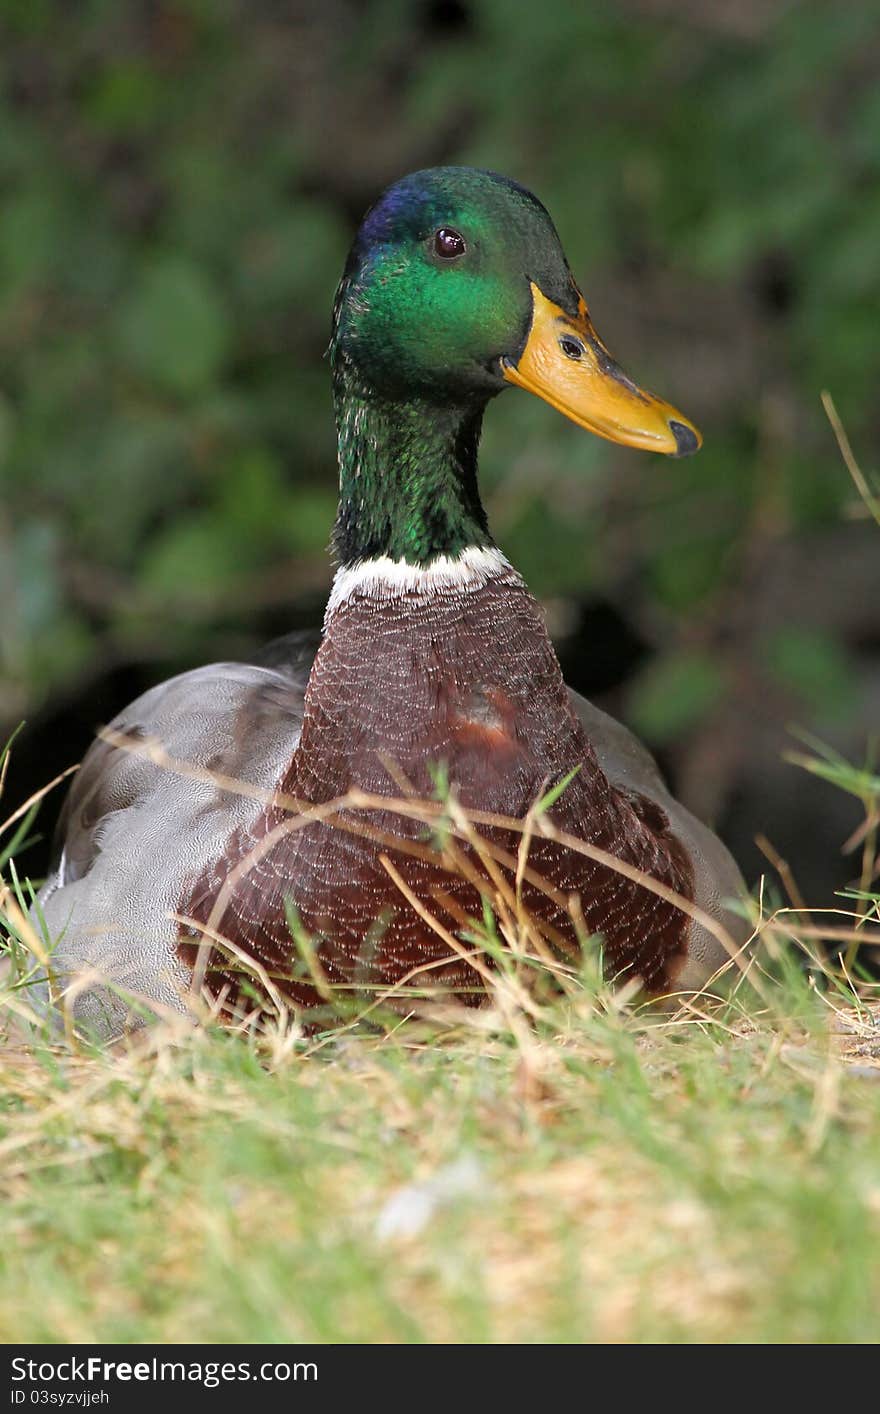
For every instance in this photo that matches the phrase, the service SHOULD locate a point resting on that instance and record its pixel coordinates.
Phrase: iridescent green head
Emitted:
(457, 285)
(436, 291)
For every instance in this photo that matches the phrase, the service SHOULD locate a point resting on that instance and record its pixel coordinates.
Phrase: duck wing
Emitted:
(292, 655)
(133, 831)
(208, 715)
(631, 768)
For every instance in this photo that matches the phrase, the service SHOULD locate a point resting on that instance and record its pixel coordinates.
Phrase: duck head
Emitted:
(457, 287)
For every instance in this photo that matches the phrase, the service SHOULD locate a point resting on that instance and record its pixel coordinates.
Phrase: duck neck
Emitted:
(407, 476)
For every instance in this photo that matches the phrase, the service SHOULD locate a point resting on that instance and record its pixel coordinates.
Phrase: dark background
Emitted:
(179, 183)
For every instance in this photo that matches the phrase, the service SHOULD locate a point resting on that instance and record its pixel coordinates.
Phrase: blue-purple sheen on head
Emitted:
(401, 207)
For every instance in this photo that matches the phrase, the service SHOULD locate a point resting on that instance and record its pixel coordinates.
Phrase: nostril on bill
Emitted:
(686, 439)
(571, 347)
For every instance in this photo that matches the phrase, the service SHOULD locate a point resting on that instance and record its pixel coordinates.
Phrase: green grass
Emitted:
(600, 1176)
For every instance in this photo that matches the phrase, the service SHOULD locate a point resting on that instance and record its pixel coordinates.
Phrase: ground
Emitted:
(591, 1173)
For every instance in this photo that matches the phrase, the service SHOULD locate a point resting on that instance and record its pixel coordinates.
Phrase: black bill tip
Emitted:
(686, 439)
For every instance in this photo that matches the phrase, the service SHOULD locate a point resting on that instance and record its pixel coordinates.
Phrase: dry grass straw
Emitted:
(529, 952)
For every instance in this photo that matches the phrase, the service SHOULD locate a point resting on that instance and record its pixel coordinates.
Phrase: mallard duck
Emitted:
(434, 655)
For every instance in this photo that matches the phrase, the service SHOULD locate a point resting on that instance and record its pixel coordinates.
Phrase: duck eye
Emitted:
(572, 348)
(448, 243)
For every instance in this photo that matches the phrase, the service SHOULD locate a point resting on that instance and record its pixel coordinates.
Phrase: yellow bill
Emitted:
(565, 363)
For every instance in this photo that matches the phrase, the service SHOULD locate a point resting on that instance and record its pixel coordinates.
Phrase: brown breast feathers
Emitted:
(464, 680)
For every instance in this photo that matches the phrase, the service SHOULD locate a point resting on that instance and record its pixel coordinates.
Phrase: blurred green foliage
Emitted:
(180, 182)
